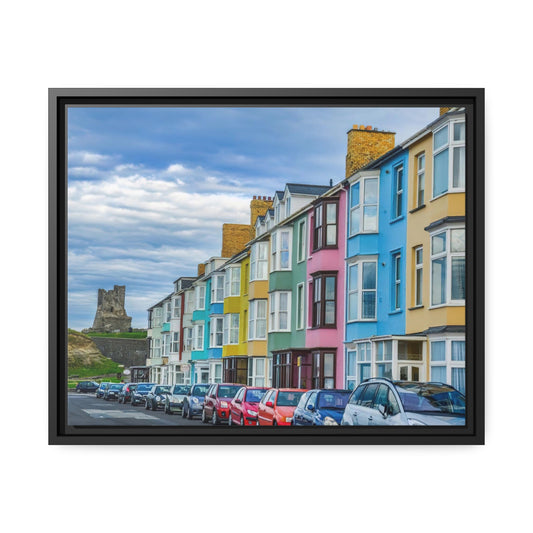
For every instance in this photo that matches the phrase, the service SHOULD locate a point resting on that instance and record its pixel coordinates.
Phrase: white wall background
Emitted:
(271, 44)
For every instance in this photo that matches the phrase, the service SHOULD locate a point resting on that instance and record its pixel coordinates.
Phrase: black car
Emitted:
(87, 386)
(156, 397)
(111, 393)
(124, 395)
(138, 396)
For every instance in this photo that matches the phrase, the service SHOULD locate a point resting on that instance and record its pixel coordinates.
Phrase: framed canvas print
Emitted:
(266, 266)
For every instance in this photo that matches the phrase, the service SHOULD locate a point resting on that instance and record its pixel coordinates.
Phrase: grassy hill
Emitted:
(86, 361)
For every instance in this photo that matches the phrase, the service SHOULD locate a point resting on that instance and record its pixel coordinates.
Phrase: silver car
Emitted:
(381, 402)
(174, 400)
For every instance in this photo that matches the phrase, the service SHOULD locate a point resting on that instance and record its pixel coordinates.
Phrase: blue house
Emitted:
(375, 339)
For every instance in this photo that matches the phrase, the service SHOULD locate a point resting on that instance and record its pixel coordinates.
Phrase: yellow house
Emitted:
(435, 245)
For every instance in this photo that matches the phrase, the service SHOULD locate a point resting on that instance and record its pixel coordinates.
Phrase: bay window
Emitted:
(280, 250)
(216, 332)
(324, 289)
(232, 281)
(217, 289)
(187, 339)
(257, 320)
(384, 359)
(177, 307)
(259, 261)
(362, 290)
(447, 362)
(364, 203)
(280, 311)
(448, 266)
(449, 158)
(324, 370)
(198, 337)
(175, 346)
(325, 225)
(256, 372)
(231, 328)
(199, 293)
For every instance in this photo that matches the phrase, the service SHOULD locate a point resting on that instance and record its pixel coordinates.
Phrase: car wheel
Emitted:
(204, 421)
(189, 413)
(214, 418)
(146, 405)
(242, 420)
(229, 419)
(274, 423)
(183, 414)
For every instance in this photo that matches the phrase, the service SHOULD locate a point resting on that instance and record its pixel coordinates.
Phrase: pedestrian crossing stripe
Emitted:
(112, 413)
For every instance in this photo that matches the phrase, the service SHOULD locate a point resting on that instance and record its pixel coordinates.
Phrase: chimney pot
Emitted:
(369, 127)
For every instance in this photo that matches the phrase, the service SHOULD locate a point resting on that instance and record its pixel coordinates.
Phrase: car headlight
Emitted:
(251, 413)
(328, 421)
(195, 400)
(158, 398)
(414, 422)
(223, 404)
(288, 419)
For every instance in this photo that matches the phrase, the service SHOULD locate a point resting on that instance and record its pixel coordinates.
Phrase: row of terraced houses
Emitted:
(330, 285)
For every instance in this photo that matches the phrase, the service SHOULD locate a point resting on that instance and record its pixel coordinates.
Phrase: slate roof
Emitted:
(312, 190)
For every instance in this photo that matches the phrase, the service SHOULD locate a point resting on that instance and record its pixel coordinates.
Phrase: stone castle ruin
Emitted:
(110, 313)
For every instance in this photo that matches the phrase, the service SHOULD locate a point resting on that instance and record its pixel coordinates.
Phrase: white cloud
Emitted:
(88, 158)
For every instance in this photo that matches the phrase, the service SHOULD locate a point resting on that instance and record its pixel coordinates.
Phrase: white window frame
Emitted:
(232, 281)
(256, 379)
(176, 307)
(359, 290)
(217, 288)
(277, 250)
(300, 306)
(288, 207)
(420, 178)
(419, 267)
(198, 338)
(450, 145)
(187, 339)
(175, 342)
(449, 255)
(301, 232)
(168, 311)
(199, 297)
(276, 311)
(359, 209)
(253, 318)
(189, 301)
(259, 249)
(231, 328)
(397, 281)
(157, 347)
(216, 328)
(448, 362)
(165, 345)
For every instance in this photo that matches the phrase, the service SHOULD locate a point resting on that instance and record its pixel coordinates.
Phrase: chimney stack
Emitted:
(258, 208)
(365, 144)
(201, 269)
(444, 110)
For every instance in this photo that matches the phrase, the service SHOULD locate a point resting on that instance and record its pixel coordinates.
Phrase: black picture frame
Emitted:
(472, 99)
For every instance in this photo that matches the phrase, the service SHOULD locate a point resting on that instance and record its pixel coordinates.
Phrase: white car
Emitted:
(382, 402)
(174, 400)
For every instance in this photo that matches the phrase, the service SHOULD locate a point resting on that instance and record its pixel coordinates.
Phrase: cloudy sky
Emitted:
(149, 188)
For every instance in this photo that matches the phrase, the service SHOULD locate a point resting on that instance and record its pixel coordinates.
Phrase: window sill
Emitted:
(397, 219)
(363, 233)
(324, 327)
(450, 191)
(447, 304)
(363, 320)
(396, 312)
(417, 209)
(415, 307)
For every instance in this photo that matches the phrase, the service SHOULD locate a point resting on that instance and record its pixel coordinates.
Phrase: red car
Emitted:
(217, 400)
(243, 408)
(277, 406)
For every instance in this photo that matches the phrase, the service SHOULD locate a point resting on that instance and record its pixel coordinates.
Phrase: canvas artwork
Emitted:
(246, 269)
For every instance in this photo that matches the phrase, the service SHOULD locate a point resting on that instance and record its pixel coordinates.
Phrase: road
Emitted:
(87, 410)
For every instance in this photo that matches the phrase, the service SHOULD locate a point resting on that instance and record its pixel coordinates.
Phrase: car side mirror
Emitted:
(384, 410)
(238, 401)
(269, 404)
(311, 407)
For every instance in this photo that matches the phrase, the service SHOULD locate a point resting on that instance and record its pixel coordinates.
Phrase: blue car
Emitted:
(193, 403)
(321, 407)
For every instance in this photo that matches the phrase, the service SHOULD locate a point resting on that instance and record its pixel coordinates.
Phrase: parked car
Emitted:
(321, 407)
(193, 403)
(101, 389)
(381, 402)
(243, 408)
(87, 386)
(156, 397)
(138, 396)
(174, 400)
(124, 395)
(277, 406)
(217, 400)
(111, 393)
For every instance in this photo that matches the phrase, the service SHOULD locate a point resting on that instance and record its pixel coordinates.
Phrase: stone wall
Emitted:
(127, 352)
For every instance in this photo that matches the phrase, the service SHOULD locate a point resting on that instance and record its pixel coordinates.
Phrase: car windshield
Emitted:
(255, 395)
(228, 391)
(288, 399)
(161, 390)
(333, 400)
(180, 389)
(143, 388)
(116, 386)
(431, 399)
(200, 390)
